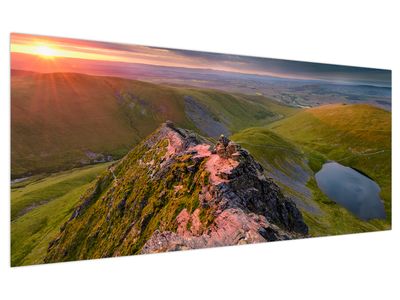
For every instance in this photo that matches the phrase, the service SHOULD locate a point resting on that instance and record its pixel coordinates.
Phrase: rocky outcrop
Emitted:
(248, 207)
(177, 191)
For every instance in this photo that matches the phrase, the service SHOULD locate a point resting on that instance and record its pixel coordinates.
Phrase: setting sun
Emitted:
(44, 51)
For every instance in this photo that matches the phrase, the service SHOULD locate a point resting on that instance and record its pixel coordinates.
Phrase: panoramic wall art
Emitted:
(124, 149)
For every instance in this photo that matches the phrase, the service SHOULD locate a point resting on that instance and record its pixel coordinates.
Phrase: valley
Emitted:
(81, 119)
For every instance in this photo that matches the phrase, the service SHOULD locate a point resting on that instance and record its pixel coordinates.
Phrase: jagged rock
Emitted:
(176, 192)
(225, 148)
(220, 150)
(232, 148)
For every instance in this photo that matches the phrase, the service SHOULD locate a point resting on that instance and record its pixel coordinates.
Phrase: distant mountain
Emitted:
(177, 191)
(63, 120)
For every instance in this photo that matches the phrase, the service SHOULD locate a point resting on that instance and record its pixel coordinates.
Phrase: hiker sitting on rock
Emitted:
(223, 140)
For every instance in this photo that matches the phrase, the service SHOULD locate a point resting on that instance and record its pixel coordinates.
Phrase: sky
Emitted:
(41, 53)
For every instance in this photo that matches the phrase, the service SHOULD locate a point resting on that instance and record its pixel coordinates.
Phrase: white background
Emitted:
(363, 266)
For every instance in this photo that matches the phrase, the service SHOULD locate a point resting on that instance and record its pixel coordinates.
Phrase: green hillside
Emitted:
(64, 120)
(39, 207)
(268, 146)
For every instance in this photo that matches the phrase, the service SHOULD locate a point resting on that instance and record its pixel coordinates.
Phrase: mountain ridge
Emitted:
(177, 191)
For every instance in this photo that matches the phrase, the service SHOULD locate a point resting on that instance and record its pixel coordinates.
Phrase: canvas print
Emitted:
(127, 149)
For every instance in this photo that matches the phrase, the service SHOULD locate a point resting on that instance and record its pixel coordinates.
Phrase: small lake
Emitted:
(351, 189)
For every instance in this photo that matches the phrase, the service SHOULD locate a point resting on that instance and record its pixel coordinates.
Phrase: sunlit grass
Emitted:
(32, 232)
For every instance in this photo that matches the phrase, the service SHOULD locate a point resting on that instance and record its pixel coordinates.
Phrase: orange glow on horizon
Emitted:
(48, 50)
(99, 51)
(51, 48)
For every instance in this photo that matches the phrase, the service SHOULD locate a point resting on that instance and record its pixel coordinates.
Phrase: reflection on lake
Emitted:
(351, 189)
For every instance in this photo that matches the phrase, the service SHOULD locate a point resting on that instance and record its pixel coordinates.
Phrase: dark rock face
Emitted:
(177, 191)
(249, 190)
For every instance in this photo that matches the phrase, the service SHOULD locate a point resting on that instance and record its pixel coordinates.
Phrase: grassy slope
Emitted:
(129, 208)
(354, 135)
(268, 147)
(32, 232)
(57, 117)
(239, 111)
